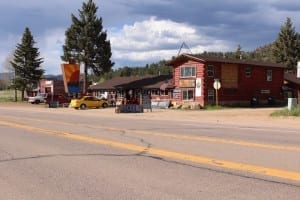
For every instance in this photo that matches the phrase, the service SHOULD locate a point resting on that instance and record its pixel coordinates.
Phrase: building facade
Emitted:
(241, 82)
(131, 89)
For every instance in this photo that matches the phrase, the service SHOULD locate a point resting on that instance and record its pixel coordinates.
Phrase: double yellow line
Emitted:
(290, 175)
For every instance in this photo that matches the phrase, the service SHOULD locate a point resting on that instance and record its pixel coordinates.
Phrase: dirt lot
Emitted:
(236, 116)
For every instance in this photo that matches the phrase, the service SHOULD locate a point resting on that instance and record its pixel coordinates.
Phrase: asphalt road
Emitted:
(61, 153)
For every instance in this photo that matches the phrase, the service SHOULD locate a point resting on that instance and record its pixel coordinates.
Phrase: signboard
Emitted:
(198, 87)
(71, 76)
(187, 83)
(176, 93)
(129, 108)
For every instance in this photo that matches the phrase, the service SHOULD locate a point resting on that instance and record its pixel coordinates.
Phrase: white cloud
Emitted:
(50, 46)
(155, 39)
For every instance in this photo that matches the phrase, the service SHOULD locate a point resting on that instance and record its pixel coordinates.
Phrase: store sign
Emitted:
(198, 87)
(187, 83)
(176, 93)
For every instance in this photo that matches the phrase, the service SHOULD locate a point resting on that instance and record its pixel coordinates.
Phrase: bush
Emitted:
(286, 112)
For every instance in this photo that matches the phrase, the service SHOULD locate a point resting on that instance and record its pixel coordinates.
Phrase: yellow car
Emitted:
(88, 102)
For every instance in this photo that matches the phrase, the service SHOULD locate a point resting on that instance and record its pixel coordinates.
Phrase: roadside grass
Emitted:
(286, 112)
(9, 95)
(214, 107)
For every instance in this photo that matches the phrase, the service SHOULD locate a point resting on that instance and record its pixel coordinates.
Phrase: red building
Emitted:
(242, 82)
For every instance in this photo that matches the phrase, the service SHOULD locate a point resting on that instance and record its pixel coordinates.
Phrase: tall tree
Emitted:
(239, 52)
(86, 43)
(26, 63)
(286, 48)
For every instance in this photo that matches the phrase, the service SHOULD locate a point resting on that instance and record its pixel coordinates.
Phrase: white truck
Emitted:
(39, 98)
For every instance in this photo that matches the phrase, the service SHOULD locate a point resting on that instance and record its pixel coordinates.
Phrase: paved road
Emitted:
(48, 153)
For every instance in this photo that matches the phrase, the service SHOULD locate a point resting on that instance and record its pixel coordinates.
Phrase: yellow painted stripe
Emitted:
(225, 141)
(290, 175)
(187, 137)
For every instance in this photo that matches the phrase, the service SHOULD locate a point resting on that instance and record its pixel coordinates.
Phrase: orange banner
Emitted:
(71, 77)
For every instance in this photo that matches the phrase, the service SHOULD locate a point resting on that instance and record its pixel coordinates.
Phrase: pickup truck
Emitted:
(39, 98)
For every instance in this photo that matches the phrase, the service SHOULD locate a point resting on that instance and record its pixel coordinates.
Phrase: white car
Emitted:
(102, 96)
(39, 98)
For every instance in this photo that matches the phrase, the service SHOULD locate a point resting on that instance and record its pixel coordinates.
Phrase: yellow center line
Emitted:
(290, 175)
(186, 137)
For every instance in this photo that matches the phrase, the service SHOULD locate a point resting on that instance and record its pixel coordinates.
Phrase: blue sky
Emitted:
(147, 31)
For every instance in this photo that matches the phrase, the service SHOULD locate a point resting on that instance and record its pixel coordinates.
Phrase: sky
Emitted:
(146, 31)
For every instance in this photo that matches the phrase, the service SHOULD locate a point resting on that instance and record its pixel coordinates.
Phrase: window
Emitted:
(248, 72)
(269, 75)
(210, 71)
(188, 95)
(188, 71)
(164, 92)
(154, 92)
(211, 95)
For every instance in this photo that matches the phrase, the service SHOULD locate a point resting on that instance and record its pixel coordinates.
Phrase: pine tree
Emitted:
(26, 63)
(86, 43)
(286, 47)
(238, 52)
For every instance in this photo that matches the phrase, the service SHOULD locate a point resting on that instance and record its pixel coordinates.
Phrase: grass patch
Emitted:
(214, 107)
(286, 112)
(9, 95)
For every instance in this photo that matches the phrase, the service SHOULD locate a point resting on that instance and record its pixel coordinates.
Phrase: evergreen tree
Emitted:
(286, 47)
(26, 63)
(86, 43)
(238, 52)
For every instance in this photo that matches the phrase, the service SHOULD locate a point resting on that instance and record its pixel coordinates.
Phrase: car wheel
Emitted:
(82, 106)
(104, 105)
(37, 101)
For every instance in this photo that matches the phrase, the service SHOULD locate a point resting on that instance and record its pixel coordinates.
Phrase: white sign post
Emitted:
(217, 86)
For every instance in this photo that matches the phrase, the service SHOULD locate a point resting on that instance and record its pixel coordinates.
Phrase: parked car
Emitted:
(60, 99)
(39, 98)
(102, 96)
(88, 102)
